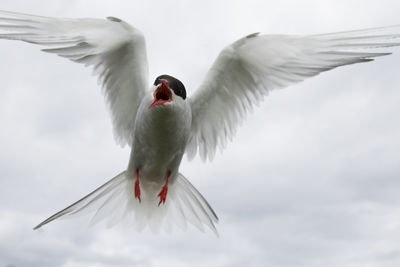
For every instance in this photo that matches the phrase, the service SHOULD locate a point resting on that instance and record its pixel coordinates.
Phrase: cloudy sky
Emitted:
(311, 179)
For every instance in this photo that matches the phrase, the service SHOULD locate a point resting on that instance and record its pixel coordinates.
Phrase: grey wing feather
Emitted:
(114, 49)
(247, 70)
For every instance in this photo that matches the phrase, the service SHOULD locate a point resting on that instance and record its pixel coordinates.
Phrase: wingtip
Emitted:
(37, 227)
(111, 18)
(253, 35)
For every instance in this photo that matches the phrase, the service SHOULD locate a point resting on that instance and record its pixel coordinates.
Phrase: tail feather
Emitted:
(115, 201)
(196, 209)
(85, 204)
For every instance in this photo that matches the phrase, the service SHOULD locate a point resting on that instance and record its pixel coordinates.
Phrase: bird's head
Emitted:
(167, 89)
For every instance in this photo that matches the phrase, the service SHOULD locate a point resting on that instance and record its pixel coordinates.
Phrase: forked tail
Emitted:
(115, 201)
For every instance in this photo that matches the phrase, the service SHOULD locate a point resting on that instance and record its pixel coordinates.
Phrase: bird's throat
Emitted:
(157, 102)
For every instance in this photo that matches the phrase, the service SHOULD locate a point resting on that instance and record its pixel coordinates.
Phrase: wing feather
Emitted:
(247, 70)
(114, 49)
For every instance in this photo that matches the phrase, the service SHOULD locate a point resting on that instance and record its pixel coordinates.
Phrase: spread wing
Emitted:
(114, 49)
(250, 68)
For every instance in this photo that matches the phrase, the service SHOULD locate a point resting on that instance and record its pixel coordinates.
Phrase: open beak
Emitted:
(162, 94)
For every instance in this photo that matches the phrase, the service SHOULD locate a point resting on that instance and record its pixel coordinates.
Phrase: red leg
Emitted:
(164, 190)
(137, 187)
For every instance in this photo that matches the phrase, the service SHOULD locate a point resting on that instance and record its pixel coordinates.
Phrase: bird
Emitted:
(161, 124)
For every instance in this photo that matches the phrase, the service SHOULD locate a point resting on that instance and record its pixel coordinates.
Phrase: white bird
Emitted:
(161, 124)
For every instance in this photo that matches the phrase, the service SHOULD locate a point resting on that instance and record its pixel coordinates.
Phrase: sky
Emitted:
(311, 178)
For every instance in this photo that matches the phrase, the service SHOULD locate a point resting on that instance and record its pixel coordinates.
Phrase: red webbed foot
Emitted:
(164, 190)
(137, 187)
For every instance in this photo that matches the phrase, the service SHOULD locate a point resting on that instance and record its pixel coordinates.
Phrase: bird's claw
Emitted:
(163, 195)
(164, 190)
(137, 187)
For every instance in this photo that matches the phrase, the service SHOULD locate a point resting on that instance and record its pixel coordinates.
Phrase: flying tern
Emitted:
(161, 123)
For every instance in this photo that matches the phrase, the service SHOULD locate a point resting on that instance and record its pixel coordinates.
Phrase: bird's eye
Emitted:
(157, 82)
(180, 92)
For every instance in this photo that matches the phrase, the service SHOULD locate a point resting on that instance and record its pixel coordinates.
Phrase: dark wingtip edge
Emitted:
(114, 19)
(253, 35)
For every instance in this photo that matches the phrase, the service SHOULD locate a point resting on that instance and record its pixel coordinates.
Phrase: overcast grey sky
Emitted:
(311, 179)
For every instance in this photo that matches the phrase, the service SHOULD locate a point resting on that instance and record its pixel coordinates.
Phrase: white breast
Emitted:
(160, 138)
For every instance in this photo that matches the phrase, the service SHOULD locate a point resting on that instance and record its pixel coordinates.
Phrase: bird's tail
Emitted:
(115, 201)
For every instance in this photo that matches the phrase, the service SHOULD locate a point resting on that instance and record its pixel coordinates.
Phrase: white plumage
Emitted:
(160, 135)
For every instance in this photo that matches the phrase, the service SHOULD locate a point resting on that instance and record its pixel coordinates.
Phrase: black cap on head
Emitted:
(174, 84)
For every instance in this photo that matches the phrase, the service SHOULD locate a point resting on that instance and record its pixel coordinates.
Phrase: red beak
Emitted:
(162, 94)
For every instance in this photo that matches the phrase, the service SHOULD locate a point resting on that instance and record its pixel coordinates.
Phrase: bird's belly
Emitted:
(160, 139)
